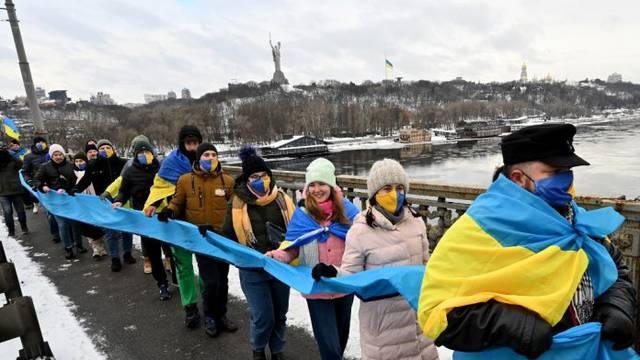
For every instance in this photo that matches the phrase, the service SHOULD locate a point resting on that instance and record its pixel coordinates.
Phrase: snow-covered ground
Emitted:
(65, 333)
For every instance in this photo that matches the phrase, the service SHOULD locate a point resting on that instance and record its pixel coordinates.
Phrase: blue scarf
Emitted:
(174, 165)
(303, 229)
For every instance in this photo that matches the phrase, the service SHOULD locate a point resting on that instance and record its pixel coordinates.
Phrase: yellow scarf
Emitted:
(242, 222)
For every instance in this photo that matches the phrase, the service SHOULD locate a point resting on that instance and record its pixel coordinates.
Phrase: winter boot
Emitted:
(164, 292)
(277, 356)
(259, 355)
(210, 327)
(81, 249)
(55, 240)
(69, 253)
(25, 229)
(147, 265)
(128, 258)
(227, 325)
(12, 232)
(35, 208)
(116, 265)
(192, 316)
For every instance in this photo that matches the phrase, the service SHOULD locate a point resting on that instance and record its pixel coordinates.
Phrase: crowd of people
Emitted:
(190, 184)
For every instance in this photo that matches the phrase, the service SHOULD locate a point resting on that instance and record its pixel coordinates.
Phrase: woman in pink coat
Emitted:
(387, 233)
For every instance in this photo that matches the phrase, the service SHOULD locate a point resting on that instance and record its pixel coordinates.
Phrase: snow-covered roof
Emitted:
(283, 142)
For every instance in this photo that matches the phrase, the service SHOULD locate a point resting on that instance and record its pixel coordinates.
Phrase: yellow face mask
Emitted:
(107, 152)
(391, 201)
(261, 185)
(209, 165)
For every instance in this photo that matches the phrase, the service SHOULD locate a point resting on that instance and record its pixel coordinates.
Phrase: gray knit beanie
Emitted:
(104, 142)
(385, 172)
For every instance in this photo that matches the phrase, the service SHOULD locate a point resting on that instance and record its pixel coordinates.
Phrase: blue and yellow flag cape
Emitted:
(175, 165)
(10, 128)
(303, 229)
(512, 247)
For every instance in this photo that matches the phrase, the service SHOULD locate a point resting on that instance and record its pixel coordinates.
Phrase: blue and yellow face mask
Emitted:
(391, 201)
(261, 185)
(209, 165)
(106, 153)
(145, 158)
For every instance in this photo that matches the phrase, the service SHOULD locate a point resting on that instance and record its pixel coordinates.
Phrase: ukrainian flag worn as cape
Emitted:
(512, 247)
(173, 166)
(303, 229)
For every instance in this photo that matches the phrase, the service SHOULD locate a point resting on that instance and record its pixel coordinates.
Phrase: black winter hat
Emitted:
(205, 147)
(251, 162)
(80, 155)
(189, 131)
(550, 143)
(38, 139)
(90, 147)
(14, 141)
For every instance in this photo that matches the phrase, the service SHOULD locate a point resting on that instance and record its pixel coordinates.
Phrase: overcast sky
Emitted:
(129, 48)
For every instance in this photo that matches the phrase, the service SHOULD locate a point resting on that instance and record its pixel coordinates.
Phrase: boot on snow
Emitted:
(192, 316)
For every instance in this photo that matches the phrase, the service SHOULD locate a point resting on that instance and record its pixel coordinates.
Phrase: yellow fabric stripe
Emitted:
(469, 266)
(160, 190)
(114, 188)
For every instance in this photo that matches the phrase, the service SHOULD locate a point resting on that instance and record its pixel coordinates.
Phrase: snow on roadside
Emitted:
(61, 329)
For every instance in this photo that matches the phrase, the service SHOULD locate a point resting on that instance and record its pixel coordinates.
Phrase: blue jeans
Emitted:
(268, 301)
(53, 226)
(331, 320)
(70, 232)
(113, 242)
(8, 203)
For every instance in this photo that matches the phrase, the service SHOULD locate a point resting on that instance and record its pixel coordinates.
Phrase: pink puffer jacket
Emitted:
(388, 327)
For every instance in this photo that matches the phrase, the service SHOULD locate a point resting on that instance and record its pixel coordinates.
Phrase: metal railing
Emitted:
(440, 205)
(18, 316)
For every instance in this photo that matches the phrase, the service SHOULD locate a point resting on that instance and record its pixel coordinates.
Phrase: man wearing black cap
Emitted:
(539, 159)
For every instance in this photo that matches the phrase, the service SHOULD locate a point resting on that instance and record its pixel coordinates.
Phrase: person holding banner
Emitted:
(11, 192)
(317, 233)
(257, 216)
(525, 262)
(31, 163)
(388, 233)
(201, 199)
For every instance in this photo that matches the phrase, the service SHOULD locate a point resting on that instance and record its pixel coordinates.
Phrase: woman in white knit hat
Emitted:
(387, 233)
(317, 230)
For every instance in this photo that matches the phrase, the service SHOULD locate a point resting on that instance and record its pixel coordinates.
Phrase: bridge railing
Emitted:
(440, 205)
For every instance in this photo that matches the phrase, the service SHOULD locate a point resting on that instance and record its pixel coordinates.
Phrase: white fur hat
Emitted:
(385, 172)
(55, 147)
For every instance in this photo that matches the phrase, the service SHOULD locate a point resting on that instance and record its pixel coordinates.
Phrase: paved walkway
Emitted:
(123, 313)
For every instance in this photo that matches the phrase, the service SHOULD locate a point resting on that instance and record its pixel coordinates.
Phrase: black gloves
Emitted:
(105, 196)
(165, 215)
(616, 326)
(72, 191)
(539, 340)
(202, 229)
(323, 270)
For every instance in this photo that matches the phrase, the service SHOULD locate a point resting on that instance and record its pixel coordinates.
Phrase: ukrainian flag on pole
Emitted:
(388, 64)
(10, 128)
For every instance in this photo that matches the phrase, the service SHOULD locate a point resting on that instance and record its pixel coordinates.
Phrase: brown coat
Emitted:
(201, 198)
(388, 327)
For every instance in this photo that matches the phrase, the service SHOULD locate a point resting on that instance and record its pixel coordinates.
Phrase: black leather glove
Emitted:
(616, 326)
(165, 215)
(323, 270)
(105, 196)
(72, 191)
(202, 229)
(537, 342)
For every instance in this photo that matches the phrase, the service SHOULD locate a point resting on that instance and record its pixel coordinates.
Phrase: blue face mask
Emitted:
(82, 166)
(555, 189)
(39, 146)
(261, 185)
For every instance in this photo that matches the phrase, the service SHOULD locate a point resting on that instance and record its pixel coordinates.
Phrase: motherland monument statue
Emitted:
(278, 75)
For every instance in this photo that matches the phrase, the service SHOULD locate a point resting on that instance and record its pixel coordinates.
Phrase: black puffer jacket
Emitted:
(101, 172)
(32, 162)
(481, 326)
(55, 176)
(9, 180)
(259, 216)
(136, 183)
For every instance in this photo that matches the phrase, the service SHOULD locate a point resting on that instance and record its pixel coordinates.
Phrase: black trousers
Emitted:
(215, 292)
(153, 248)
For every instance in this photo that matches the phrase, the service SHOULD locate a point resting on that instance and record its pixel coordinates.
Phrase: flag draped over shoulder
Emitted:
(303, 229)
(512, 247)
(10, 128)
(173, 166)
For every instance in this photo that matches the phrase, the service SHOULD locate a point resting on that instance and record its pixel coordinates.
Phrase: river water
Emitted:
(612, 147)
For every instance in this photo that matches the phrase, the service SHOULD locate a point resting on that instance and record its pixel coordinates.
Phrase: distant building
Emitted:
(41, 93)
(171, 95)
(614, 78)
(101, 99)
(149, 98)
(186, 94)
(523, 73)
(59, 96)
(459, 78)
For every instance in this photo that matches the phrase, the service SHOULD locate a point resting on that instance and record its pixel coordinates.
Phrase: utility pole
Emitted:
(36, 117)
